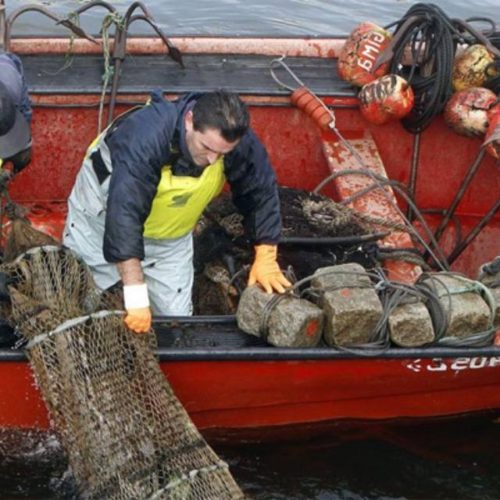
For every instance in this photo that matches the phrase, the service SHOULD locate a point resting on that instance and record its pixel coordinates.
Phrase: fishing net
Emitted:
(126, 434)
(303, 214)
(22, 237)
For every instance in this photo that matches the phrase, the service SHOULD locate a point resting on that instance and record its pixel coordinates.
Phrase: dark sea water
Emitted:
(457, 459)
(440, 459)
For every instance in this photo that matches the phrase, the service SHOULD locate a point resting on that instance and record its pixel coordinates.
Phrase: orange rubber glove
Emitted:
(139, 320)
(138, 317)
(265, 270)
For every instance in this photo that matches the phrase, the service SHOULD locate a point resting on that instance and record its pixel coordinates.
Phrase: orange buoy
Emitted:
(359, 53)
(312, 106)
(390, 97)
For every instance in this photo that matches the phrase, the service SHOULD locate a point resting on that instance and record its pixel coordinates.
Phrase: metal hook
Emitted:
(120, 47)
(173, 51)
(42, 10)
(280, 61)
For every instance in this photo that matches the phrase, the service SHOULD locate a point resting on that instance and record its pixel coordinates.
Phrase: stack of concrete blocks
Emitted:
(292, 321)
(350, 303)
(349, 311)
(467, 311)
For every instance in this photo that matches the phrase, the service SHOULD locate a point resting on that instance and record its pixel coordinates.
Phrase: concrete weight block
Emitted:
(292, 322)
(351, 305)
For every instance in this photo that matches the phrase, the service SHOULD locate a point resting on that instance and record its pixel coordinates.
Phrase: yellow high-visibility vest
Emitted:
(180, 201)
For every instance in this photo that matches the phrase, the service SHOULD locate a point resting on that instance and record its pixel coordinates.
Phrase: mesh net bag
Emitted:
(126, 434)
(22, 237)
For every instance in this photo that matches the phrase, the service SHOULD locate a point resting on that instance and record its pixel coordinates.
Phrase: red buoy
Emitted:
(492, 139)
(467, 111)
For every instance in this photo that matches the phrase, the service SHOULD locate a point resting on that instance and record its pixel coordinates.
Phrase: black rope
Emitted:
(432, 39)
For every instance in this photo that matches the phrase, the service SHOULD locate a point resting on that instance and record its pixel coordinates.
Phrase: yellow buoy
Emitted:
(471, 68)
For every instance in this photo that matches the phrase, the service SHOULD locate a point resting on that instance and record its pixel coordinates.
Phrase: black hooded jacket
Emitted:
(143, 142)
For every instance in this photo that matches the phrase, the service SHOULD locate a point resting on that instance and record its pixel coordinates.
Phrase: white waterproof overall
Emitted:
(167, 265)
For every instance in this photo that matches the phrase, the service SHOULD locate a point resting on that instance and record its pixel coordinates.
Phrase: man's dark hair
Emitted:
(224, 111)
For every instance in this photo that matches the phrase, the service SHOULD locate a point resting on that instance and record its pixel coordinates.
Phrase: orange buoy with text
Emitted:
(390, 97)
(359, 53)
(467, 111)
(305, 100)
(492, 139)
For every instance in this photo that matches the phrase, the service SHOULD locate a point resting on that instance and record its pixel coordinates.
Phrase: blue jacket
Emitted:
(145, 141)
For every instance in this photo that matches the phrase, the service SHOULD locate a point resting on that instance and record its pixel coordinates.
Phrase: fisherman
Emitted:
(15, 114)
(143, 185)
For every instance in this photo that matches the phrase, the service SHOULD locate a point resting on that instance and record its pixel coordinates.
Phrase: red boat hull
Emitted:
(261, 394)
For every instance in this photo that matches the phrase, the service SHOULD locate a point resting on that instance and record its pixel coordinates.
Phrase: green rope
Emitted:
(69, 56)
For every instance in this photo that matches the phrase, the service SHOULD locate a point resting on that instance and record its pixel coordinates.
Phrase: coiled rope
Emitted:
(432, 39)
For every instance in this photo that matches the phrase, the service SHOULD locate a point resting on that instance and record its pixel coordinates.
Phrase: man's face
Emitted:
(207, 146)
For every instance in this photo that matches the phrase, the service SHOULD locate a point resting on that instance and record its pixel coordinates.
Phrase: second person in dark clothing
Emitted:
(15, 114)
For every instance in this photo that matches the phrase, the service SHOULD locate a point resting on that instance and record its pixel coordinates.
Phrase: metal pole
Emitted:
(332, 240)
(412, 185)
(460, 193)
(119, 51)
(474, 232)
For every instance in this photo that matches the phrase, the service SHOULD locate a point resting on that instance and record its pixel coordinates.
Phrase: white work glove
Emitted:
(138, 317)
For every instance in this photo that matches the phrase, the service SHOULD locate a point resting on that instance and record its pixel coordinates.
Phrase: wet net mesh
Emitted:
(126, 434)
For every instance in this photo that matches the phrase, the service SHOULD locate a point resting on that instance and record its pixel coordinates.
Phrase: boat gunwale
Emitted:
(297, 354)
(324, 47)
